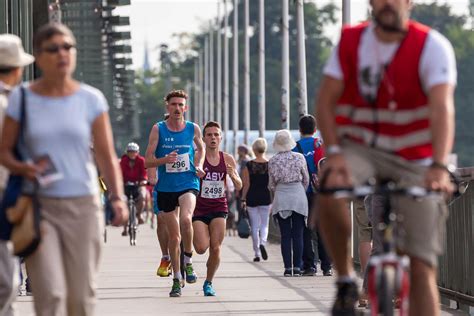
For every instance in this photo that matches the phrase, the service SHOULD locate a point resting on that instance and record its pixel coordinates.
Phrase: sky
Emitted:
(155, 21)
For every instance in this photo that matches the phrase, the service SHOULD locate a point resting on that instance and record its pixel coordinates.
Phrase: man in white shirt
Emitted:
(386, 110)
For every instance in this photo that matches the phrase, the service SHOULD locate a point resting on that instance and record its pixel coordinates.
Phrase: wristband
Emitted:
(116, 197)
(438, 165)
(333, 150)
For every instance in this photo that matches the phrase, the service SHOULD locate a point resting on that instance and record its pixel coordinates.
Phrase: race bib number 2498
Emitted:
(212, 189)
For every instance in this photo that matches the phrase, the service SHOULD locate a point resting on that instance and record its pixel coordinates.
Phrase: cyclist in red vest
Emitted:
(386, 110)
(211, 210)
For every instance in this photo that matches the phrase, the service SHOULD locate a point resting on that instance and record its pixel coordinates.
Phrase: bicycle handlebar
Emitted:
(136, 183)
(389, 187)
(363, 190)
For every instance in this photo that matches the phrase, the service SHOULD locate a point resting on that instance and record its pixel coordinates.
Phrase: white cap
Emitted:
(12, 53)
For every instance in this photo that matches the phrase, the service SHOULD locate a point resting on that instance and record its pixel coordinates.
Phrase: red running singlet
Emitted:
(212, 197)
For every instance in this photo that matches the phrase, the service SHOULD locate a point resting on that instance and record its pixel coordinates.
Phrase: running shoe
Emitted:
(309, 271)
(263, 251)
(190, 275)
(297, 272)
(288, 272)
(347, 297)
(164, 270)
(176, 288)
(208, 290)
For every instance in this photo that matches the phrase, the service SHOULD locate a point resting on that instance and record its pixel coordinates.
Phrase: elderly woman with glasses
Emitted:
(288, 181)
(62, 118)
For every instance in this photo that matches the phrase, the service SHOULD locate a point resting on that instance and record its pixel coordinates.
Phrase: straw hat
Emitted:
(283, 141)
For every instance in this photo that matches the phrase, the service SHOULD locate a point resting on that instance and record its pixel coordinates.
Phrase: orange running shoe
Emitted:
(164, 270)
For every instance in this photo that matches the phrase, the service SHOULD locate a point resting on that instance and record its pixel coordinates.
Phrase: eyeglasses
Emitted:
(54, 49)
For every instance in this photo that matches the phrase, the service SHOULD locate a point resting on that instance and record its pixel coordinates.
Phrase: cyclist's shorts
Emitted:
(421, 232)
(138, 192)
(364, 228)
(168, 201)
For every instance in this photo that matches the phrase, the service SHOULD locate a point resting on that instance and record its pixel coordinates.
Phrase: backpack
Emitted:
(319, 153)
(318, 156)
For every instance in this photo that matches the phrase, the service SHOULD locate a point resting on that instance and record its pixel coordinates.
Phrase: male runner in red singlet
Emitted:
(211, 208)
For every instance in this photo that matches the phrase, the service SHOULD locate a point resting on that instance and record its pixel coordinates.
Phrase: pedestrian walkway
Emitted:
(128, 284)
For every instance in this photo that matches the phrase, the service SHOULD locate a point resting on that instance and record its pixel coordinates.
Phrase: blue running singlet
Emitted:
(180, 175)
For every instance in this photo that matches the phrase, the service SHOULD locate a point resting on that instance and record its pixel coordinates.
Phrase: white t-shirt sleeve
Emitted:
(333, 66)
(438, 63)
(13, 108)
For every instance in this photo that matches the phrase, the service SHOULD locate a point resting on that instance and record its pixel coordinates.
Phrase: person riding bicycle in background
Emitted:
(386, 111)
(133, 170)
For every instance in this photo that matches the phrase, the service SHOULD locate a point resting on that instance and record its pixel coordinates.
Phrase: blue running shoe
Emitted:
(208, 290)
(190, 275)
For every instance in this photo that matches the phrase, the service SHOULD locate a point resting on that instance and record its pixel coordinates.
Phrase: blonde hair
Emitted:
(259, 145)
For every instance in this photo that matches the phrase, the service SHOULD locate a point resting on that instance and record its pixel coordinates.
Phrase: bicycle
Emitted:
(131, 191)
(388, 272)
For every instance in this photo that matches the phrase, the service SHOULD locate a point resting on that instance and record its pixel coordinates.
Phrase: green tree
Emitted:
(318, 47)
(454, 28)
(150, 104)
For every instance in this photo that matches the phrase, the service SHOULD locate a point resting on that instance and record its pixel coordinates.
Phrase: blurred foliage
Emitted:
(318, 47)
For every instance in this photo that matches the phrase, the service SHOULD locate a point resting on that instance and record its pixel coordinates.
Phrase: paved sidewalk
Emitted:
(129, 286)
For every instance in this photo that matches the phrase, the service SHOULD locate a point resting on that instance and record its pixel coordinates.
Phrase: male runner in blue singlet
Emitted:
(171, 150)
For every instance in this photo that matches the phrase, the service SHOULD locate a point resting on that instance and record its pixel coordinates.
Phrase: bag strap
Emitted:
(300, 149)
(21, 136)
(22, 112)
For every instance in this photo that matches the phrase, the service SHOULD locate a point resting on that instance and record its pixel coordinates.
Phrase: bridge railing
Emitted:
(456, 270)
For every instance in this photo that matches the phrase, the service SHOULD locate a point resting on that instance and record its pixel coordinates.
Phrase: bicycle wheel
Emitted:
(132, 223)
(387, 290)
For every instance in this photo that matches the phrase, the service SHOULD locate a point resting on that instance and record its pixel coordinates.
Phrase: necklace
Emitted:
(384, 76)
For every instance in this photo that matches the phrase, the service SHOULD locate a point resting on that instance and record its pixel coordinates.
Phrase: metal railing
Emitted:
(456, 272)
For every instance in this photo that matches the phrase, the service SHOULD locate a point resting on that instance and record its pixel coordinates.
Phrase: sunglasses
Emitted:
(54, 49)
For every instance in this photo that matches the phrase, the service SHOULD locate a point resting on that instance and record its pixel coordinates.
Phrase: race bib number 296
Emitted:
(180, 165)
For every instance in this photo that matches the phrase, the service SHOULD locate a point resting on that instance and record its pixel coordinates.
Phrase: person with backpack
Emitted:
(312, 149)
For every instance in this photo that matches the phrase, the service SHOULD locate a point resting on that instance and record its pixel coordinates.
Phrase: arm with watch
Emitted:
(245, 188)
(441, 107)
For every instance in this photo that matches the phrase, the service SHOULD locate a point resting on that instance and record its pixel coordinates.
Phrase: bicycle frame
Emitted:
(388, 272)
(132, 219)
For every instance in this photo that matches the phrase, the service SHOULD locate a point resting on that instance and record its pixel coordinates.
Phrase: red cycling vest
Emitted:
(398, 120)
